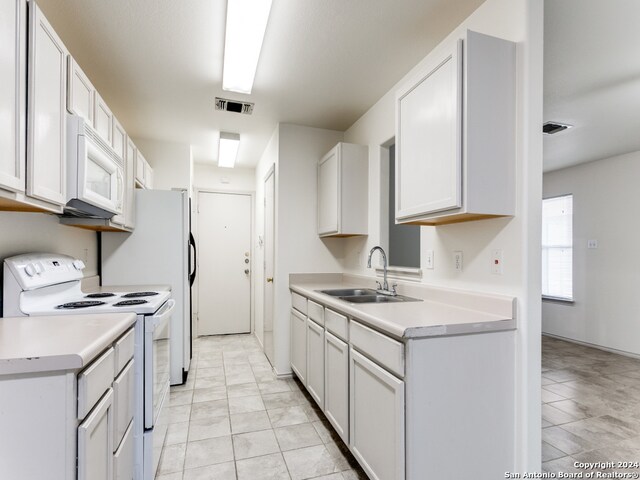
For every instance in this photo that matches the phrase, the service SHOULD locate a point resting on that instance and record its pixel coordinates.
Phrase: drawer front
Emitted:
(315, 312)
(124, 350)
(336, 324)
(386, 351)
(123, 458)
(93, 381)
(123, 390)
(299, 302)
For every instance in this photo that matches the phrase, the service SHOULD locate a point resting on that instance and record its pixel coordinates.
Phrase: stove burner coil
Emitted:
(127, 303)
(100, 295)
(139, 294)
(83, 304)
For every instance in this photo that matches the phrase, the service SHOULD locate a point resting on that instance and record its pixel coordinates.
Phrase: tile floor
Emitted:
(234, 420)
(590, 406)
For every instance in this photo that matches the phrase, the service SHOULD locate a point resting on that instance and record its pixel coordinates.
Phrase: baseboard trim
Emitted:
(594, 345)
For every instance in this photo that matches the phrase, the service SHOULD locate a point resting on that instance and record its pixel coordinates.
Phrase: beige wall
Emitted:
(216, 178)
(171, 163)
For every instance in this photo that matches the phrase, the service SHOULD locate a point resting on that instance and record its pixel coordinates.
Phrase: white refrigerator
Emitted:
(158, 252)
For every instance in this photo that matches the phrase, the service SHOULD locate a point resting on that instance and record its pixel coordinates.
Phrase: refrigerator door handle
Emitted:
(192, 275)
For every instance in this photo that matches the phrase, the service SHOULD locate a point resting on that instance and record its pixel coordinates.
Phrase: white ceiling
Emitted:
(158, 63)
(591, 79)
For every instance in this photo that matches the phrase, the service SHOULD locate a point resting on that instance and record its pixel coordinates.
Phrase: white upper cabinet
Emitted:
(119, 138)
(47, 106)
(129, 191)
(81, 92)
(12, 94)
(102, 119)
(144, 172)
(455, 135)
(343, 178)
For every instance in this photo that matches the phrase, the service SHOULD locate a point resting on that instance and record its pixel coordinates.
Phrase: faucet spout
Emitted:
(385, 284)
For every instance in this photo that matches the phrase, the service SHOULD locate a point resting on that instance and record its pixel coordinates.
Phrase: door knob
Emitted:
(269, 279)
(246, 271)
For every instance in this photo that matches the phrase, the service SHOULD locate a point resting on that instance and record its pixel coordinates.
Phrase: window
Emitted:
(557, 247)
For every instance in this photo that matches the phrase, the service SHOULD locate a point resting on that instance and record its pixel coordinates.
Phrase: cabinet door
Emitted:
(123, 404)
(428, 141)
(123, 457)
(130, 185)
(140, 163)
(315, 361)
(46, 147)
(376, 409)
(102, 119)
(95, 442)
(328, 193)
(80, 92)
(119, 140)
(13, 93)
(336, 384)
(148, 175)
(299, 345)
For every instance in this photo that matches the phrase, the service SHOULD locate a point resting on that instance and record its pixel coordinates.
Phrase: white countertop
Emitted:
(441, 311)
(60, 342)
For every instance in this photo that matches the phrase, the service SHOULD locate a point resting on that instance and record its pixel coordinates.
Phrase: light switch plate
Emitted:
(429, 260)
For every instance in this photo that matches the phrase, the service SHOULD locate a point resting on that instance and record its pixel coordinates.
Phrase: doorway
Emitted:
(224, 262)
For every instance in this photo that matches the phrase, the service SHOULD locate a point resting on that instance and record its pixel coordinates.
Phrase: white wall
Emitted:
(40, 232)
(171, 163)
(216, 178)
(519, 237)
(606, 279)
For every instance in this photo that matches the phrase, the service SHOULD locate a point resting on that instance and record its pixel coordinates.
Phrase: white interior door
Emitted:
(269, 254)
(224, 263)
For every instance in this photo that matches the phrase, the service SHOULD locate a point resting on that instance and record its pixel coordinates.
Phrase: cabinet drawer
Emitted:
(299, 302)
(336, 324)
(123, 404)
(93, 381)
(315, 312)
(123, 458)
(386, 351)
(124, 350)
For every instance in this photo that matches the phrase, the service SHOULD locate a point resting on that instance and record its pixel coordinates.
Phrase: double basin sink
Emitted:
(366, 295)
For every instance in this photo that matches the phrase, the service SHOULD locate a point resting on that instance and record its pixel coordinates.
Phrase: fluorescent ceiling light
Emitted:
(228, 149)
(246, 24)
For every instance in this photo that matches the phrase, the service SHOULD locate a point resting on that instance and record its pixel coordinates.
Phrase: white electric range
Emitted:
(50, 284)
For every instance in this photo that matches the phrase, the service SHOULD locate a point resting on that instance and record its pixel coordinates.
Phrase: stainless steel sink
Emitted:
(377, 298)
(349, 292)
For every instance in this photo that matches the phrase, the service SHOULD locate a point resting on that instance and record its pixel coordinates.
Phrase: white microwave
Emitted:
(95, 173)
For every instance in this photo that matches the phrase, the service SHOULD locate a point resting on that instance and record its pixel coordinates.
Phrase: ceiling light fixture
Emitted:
(246, 24)
(228, 149)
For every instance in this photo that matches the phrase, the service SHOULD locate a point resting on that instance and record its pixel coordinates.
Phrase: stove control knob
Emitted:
(30, 269)
(78, 264)
(39, 267)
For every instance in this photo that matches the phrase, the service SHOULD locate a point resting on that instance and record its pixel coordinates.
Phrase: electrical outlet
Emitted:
(457, 260)
(592, 243)
(429, 260)
(496, 262)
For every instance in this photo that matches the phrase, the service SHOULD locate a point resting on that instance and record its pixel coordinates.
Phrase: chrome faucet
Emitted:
(384, 288)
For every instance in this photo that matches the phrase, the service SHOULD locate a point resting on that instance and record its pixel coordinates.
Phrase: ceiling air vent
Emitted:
(227, 105)
(554, 127)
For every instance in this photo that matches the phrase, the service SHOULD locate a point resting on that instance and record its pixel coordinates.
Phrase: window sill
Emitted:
(564, 301)
(401, 273)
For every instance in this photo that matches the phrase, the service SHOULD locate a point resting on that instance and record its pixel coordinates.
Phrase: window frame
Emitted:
(554, 298)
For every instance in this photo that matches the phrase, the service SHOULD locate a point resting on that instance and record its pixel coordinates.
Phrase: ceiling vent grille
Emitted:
(550, 128)
(246, 108)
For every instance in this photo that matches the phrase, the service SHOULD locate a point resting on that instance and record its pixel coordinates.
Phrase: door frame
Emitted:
(270, 173)
(196, 234)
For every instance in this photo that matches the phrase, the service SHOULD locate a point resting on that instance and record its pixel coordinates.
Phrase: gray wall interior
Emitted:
(404, 240)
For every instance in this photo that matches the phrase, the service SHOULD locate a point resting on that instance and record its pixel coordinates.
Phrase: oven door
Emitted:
(101, 175)
(156, 361)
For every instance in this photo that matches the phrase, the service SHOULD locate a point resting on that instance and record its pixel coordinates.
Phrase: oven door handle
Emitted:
(162, 314)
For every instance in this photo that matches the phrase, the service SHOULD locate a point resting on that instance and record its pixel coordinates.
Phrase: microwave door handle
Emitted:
(120, 187)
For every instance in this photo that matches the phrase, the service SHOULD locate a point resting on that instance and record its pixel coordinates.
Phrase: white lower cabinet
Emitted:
(315, 361)
(336, 384)
(123, 457)
(299, 345)
(377, 419)
(95, 440)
